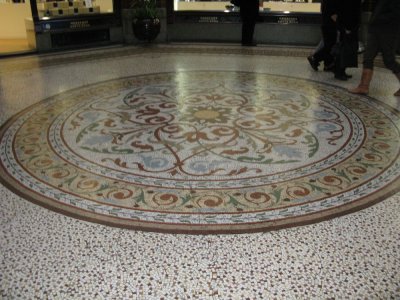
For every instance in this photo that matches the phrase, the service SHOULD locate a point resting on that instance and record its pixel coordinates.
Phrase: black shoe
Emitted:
(313, 63)
(341, 77)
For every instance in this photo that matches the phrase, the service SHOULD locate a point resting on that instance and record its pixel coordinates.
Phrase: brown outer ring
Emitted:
(389, 190)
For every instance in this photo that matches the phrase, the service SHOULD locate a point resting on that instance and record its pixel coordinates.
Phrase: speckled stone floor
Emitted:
(46, 255)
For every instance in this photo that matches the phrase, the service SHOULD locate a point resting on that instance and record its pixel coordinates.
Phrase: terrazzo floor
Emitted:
(46, 255)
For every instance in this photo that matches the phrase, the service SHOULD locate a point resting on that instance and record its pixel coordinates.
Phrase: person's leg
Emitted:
(252, 25)
(363, 86)
(323, 53)
(339, 70)
(244, 19)
(330, 40)
(370, 53)
(347, 55)
(249, 15)
(389, 45)
(319, 46)
(316, 57)
(247, 32)
(248, 25)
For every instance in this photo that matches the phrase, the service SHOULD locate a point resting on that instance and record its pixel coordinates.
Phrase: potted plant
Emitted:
(146, 23)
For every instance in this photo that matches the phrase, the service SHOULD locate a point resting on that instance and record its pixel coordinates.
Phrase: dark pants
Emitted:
(387, 43)
(329, 35)
(249, 14)
(248, 27)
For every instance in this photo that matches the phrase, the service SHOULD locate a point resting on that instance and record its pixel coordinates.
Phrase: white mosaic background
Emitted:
(45, 255)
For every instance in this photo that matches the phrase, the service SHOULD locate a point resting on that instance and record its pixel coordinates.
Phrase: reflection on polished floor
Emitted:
(199, 143)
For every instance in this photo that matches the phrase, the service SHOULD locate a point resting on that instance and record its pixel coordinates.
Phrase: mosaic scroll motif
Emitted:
(215, 132)
(208, 143)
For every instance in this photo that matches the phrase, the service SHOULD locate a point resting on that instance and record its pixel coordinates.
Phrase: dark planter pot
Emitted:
(146, 29)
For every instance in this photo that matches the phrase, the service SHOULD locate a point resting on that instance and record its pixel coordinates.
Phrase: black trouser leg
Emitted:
(248, 27)
(371, 50)
(389, 43)
(324, 54)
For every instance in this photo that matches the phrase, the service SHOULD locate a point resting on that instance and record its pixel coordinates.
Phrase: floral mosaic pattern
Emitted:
(204, 151)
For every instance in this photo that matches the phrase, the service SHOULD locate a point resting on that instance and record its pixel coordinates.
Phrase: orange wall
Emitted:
(12, 20)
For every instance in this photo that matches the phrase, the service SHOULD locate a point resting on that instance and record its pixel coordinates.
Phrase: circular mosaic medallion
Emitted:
(203, 152)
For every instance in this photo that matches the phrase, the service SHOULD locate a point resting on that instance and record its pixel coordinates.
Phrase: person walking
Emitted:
(249, 13)
(383, 36)
(329, 33)
(348, 23)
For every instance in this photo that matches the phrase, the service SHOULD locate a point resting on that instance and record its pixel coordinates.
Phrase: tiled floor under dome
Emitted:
(265, 179)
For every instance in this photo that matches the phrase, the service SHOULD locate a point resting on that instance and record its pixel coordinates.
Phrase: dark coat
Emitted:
(349, 15)
(249, 8)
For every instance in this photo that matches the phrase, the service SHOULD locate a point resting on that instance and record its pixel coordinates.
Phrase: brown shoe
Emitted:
(363, 87)
(360, 90)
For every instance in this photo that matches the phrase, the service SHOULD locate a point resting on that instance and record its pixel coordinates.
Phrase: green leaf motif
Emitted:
(267, 161)
(114, 150)
(140, 197)
(85, 131)
(313, 145)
